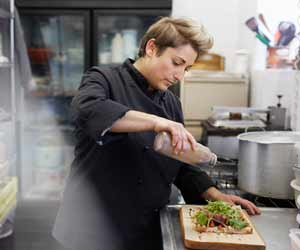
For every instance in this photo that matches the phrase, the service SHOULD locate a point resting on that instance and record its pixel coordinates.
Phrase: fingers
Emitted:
(250, 207)
(182, 140)
(182, 143)
(213, 159)
(192, 141)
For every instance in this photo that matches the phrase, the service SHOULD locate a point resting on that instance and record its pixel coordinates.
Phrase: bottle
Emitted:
(104, 49)
(117, 49)
(129, 43)
(202, 154)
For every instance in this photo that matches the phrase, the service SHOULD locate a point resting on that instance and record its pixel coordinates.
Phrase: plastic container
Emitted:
(162, 145)
(297, 174)
(295, 238)
(297, 150)
(117, 49)
(296, 188)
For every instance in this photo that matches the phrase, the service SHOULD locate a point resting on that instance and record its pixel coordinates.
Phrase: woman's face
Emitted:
(162, 71)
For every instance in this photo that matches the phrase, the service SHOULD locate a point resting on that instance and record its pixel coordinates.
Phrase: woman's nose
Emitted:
(178, 76)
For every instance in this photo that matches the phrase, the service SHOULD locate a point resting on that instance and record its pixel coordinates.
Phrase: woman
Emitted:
(118, 183)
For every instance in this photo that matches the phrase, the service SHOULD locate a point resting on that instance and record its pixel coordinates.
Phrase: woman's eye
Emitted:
(176, 63)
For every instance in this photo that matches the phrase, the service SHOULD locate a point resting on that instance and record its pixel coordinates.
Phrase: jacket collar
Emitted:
(140, 80)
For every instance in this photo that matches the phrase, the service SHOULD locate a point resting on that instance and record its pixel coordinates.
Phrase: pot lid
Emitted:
(270, 137)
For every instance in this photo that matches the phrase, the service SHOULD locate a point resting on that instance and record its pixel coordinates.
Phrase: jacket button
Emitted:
(169, 184)
(156, 210)
(140, 181)
(146, 148)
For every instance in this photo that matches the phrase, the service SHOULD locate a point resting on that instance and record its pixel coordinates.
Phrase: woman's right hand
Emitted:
(181, 138)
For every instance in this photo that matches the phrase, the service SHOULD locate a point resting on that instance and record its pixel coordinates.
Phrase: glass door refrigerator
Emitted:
(62, 43)
(57, 45)
(117, 33)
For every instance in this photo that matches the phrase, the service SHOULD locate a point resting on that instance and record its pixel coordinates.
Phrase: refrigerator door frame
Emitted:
(113, 4)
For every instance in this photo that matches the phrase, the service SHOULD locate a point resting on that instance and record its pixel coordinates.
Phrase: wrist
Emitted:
(212, 194)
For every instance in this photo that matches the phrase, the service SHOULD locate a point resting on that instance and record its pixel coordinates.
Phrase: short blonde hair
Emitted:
(174, 32)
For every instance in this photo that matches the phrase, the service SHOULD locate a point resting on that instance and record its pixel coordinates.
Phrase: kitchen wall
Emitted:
(225, 20)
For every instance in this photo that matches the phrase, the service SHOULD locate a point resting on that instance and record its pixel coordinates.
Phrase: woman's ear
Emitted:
(150, 47)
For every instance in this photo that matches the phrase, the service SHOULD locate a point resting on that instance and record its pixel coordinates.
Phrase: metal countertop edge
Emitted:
(267, 209)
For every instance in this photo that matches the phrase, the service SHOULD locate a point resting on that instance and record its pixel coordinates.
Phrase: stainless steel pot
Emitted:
(266, 161)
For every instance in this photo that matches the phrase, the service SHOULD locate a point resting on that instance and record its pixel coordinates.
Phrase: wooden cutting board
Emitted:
(217, 241)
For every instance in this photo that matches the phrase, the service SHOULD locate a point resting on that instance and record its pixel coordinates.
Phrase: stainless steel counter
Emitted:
(273, 225)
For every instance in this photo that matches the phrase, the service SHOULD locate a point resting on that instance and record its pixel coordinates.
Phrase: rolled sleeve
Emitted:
(92, 108)
(192, 183)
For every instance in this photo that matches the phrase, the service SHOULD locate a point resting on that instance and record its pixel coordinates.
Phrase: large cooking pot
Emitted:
(266, 161)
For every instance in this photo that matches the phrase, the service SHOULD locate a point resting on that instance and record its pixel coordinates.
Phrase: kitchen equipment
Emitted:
(221, 129)
(253, 25)
(238, 117)
(201, 91)
(277, 115)
(163, 145)
(287, 31)
(262, 19)
(265, 163)
(213, 241)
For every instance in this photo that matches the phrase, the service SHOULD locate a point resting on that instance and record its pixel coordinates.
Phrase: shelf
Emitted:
(49, 127)
(4, 14)
(42, 193)
(5, 65)
(43, 93)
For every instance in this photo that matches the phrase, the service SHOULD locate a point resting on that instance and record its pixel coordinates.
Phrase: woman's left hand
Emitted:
(214, 194)
(249, 206)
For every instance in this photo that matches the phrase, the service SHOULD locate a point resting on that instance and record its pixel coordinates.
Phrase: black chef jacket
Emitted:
(117, 182)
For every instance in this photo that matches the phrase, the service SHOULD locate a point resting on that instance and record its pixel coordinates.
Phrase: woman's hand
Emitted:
(214, 194)
(181, 138)
(135, 121)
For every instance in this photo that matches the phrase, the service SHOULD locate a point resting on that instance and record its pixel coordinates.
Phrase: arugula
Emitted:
(237, 224)
(201, 218)
(233, 215)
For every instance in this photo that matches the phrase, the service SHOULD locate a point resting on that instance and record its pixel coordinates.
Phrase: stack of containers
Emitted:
(8, 191)
(295, 184)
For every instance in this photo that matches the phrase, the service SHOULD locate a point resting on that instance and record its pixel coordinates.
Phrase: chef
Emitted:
(118, 184)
